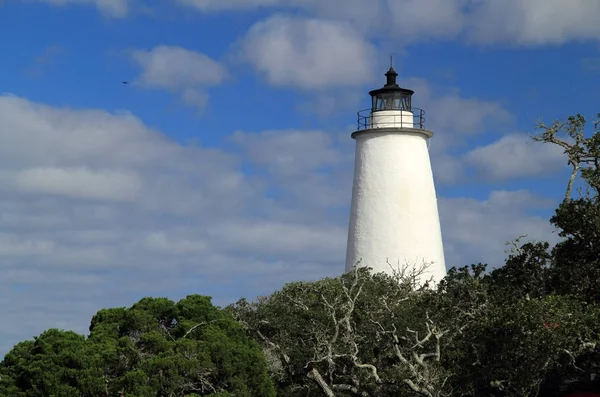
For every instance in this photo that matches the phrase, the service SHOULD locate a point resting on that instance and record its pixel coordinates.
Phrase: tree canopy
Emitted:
(155, 348)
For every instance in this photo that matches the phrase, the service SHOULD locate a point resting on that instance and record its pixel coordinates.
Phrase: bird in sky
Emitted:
(125, 82)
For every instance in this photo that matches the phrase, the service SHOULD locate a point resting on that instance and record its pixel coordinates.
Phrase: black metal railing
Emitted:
(383, 119)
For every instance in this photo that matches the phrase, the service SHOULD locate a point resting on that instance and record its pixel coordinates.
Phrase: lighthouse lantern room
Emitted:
(394, 221)
(391, 96)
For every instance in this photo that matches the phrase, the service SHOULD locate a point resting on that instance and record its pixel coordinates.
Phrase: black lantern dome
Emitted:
(391, 96)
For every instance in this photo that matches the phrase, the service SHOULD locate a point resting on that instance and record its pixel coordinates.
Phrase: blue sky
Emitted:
(224, 167)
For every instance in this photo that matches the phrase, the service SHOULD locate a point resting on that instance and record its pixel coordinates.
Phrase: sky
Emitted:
(224, 167)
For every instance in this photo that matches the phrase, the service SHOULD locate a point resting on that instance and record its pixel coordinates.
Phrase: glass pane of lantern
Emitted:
(389, 101)
(405, 103)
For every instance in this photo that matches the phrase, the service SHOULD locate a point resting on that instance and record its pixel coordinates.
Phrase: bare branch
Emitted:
(577, 148)
(166, 331)
(412, 275)
(316, 376)
(350, 388)
(195, 327)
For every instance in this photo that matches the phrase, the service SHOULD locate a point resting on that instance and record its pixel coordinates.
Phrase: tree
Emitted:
(576, 260)
(155, 348)
(526, 273)
(521, 344)
(359, 334)
(583, 152)
(54, 364)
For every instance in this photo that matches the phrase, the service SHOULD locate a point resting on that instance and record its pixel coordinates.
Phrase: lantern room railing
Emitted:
(393, 118)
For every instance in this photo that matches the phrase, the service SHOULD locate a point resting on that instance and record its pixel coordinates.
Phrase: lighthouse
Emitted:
(394, 220)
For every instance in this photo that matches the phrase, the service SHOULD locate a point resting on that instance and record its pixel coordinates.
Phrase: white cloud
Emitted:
(339, 101)
(110, 8)
(478, 230)
(194, 97)
(447, 169)
(80, 182)
(296, 159)
(176, 242)
(415, 20)
(515, 156)
(210, 5)
(286, 241)
(516, 22)
(180, 70)
(70, 152)
(11, 245)
(289, 153)
(521, 22)
(114, 8)
(534, 22)
(449, 113)
(162, 219)
(311, 54)
(361, 13)
(175, 67)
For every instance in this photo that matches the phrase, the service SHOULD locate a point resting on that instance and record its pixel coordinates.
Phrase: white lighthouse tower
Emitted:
(394, 217)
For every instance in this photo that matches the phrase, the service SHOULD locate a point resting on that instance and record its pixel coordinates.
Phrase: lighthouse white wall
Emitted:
(391, 118)
(394, 214)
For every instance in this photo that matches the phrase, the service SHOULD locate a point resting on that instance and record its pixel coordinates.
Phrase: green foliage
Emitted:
(516, 346)
(155, 348)
(577, 257)
(582, 151)
(54, 364)
(526, 273)
(354, 334)
(576, 260)
(368, 334)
